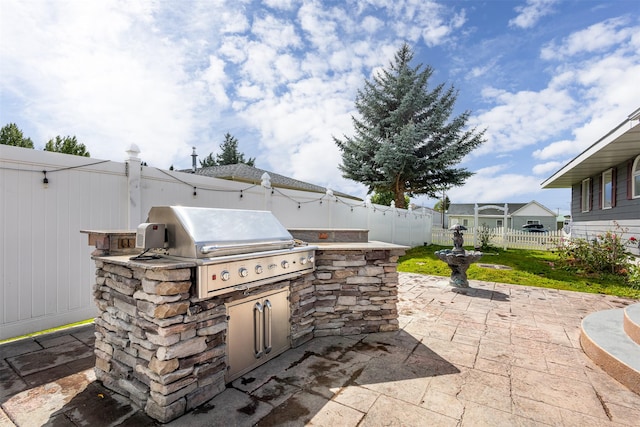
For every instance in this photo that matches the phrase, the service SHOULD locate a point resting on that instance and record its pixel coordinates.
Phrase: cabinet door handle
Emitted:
(257, 330)
(267, 326)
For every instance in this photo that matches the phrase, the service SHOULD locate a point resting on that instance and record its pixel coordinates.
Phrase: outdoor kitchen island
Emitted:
(169, 351)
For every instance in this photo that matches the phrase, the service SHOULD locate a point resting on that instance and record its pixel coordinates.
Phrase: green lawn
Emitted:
(529, 268)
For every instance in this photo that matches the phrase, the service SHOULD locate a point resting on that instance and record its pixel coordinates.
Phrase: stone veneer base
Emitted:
(165, 349)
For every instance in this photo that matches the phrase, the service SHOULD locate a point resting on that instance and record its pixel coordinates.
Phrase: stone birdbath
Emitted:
(458, 259)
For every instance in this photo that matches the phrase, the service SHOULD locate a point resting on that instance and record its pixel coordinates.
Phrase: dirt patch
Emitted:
(495, 266)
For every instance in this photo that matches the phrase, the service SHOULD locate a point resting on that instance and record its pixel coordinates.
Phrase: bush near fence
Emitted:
(507, 239)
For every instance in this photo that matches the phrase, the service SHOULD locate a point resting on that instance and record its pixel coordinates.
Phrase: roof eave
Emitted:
(557, 181)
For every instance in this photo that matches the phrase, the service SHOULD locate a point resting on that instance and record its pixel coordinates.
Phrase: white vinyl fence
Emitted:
(46, 272)
(501, 238)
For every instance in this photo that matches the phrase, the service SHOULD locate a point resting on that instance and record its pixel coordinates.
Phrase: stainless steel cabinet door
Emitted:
(259, 329)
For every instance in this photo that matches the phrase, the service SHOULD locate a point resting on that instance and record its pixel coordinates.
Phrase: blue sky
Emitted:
(546, 78)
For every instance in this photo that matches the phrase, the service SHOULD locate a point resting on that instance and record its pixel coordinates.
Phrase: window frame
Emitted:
(585, 195)
(635, 174)
(606, 181)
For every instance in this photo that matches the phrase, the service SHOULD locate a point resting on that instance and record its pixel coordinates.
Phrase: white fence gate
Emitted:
(46, 272)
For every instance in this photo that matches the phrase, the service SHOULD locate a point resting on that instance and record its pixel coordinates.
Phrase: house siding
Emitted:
(488, 221)
(624, 209)
(519, 214)
(513, 222)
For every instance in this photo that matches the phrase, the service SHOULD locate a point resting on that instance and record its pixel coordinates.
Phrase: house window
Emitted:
(636, 178)
(533, 221)
(465, 222)
(499, 223)
(607, 189)
(586, 195)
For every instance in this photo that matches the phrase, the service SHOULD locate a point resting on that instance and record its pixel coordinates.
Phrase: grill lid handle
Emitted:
(278, 244)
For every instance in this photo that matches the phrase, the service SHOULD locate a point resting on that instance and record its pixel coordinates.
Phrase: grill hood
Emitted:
(209, 232)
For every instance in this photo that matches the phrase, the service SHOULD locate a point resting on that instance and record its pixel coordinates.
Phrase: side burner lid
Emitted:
(205, 232)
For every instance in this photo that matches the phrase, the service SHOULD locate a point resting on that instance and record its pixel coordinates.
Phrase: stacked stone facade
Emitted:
(154, 343)
(356, 292)
(165, 349)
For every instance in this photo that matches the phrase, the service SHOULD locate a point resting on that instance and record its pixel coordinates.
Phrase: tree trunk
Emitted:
(398, 193)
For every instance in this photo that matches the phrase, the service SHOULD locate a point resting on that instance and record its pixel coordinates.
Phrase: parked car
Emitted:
(534, 228)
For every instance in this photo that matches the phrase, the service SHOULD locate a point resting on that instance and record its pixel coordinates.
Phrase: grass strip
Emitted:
(527, 268)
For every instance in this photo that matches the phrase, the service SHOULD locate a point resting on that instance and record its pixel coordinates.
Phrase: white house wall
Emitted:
(534, 210)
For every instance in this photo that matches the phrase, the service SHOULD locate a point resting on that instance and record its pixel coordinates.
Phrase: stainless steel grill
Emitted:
(233, 249)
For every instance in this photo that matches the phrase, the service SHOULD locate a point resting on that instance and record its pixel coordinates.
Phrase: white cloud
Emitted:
(105, 64)
(559, 149)
(274, 32)
(280, 4)
(523, 118)
(215, 78)
(234, 21)
(428, 20)
(530, 14)
(582, 101)
(282, 76)
(596, 38)
(483, 70)
(488, 186)
(320, 26)
(544, 169)
(233, 48)
(260, 63)
(371, 24)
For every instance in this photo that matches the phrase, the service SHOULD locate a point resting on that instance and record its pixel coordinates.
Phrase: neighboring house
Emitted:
(493, 216)
(251, 175)
(605, 183)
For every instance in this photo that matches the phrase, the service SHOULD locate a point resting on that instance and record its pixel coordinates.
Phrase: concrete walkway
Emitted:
(494, 355)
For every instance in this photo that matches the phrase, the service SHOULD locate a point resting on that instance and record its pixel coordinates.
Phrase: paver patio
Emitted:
(494, 354)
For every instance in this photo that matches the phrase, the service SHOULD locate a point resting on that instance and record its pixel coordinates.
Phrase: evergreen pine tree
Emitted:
(230, 154)
(442, 207)
(405, 141)
(12, 135)
(208, 161)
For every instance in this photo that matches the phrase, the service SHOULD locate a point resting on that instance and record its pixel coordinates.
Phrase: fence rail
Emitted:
(45, 267)
(501, 238)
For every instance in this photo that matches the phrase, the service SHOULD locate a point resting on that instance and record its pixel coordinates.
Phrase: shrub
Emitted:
(604, 254)
(485, 234)
(633, 278)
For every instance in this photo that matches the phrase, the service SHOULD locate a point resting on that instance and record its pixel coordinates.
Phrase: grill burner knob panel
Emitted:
(220, 275)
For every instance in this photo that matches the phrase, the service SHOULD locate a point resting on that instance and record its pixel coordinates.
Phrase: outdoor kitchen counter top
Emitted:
(161, 263)
(372, 245)
(168, 263)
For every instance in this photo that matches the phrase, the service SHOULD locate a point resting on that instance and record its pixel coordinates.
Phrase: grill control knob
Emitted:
(225, 275)
(258, 269)
(312, 259)
(243, 272)
(285, 264)
(303, 260)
